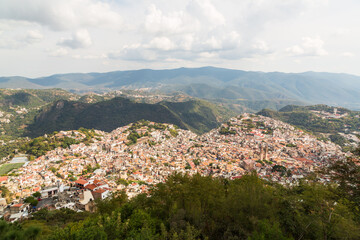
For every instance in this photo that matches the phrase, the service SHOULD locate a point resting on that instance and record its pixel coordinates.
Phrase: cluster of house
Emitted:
(79, 196)
(83, 173)
(327, 115)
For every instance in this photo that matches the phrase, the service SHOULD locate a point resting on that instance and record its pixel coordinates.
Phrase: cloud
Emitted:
(308, 47)
(59, 52)
(61, 14)
(21, 40)
(206, 11)
(34, 36)
(161, 43)
(158, 23)
(348, 54)
(80, 39)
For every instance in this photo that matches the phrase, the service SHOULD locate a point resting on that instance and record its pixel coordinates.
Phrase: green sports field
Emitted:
(7, 167)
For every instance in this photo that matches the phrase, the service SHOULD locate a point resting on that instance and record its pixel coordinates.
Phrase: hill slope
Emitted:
(198, 116)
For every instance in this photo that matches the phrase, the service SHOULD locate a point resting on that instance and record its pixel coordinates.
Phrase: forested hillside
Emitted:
(198, 116)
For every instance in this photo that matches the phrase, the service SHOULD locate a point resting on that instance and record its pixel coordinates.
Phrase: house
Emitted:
(101, 193)
(3, 180)
(2, 205)
(86, 202)
(18, 211)
(53, 190)
(81, 183)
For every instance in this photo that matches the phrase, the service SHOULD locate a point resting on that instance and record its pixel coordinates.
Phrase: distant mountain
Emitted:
(240, 89)
(195, 115)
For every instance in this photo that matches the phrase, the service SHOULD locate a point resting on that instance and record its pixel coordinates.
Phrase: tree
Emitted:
(33, 202)
(347, 174)
(37, 194)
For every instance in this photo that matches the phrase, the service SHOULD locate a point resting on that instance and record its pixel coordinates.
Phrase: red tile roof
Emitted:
(17, 205)
(3, 179)
(100, 190)
(81, 181)
(91, 186)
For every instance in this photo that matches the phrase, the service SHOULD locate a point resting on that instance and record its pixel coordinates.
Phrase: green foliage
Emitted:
(133, 137)
(199, 116)
(196, 207)
(4, 192)
(196, 162)
(267, 230)
(17, 232)
(31, 200)
(41, 145)
(226, 131)
(37, 194)
(338, 139)
(173, 132)
(122, 181)
(278, 168)
(8, 149)
(347, 175)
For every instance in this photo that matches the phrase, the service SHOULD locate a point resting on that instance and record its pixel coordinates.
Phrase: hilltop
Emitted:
(340, 125)
(18, 107)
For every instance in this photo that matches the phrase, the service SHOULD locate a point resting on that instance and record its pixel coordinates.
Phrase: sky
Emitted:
(45, 37)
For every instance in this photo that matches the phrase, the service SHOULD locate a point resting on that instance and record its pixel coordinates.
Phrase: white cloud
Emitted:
(20, 40)
(34, 36)
(261, 46)
(161, 43)
(158, 23)
(348, 54)
(177, 33)
(308, 47)
(206, 11)
(89, 57)
(59, 52)
(80, 39)
(61, 14)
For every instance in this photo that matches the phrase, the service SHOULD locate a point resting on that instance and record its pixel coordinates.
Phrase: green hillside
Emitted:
(321, 121)
(31, 98)
(198, 116)
(19, 107)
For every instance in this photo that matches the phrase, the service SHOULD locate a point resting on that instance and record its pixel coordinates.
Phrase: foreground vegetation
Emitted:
(199, 207)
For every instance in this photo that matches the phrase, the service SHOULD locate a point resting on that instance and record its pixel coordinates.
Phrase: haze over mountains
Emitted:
(254, 90)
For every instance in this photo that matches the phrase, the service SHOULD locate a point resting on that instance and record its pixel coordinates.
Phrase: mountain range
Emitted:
(239, 90)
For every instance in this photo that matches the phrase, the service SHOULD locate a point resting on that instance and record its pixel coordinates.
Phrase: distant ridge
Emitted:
(234, 87)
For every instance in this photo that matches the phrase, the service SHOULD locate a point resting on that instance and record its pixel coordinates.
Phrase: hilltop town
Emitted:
(135, 157)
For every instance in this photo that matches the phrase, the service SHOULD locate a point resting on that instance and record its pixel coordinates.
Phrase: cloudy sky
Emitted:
(44, 37)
